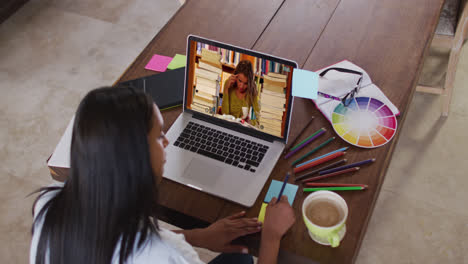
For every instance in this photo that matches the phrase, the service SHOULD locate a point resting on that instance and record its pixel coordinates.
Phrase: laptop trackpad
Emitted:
(202, 172)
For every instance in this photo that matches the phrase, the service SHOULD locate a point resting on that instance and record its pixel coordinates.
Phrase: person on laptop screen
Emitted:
(241, 93)
(104, 212)
(239, 87)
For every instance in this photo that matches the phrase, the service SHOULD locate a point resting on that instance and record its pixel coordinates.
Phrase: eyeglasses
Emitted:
(348, 98)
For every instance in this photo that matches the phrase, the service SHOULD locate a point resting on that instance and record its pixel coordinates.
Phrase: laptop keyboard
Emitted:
(218, 145)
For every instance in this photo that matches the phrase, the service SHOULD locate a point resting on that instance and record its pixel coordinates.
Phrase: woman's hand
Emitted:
(232, 79)
(219, 235)
(279, 217)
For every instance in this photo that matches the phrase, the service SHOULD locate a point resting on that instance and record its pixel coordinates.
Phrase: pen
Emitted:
(325, 155)
(356, 164)
(314, 184)
(319, 161)
(298, 135)
(305, 142)
(355, 188)
(334, 164)
(313, 151)
(336, 173)
(282, 187)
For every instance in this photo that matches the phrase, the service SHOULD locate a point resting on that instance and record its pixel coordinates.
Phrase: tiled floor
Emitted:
(52, 52)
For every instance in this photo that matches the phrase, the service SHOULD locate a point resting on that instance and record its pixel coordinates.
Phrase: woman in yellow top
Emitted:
(240, 91)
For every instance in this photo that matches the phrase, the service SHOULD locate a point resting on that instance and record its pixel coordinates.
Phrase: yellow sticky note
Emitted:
(261, 215)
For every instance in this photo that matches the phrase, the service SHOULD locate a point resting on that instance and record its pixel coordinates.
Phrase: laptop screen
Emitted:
(246, 88)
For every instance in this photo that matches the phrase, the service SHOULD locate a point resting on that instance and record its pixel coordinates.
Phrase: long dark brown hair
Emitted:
(245, 67)
(111, 193)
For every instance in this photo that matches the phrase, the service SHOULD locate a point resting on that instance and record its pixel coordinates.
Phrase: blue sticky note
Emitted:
(275, 188)
(305, 84)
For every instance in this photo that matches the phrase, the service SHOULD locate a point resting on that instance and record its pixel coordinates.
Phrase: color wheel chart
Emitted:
(365, 122)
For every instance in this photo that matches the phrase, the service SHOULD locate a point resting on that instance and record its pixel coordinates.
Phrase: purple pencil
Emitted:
(360, 163)
(304, 144)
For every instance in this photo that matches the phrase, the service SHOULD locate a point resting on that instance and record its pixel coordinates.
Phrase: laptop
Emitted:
(227, 140)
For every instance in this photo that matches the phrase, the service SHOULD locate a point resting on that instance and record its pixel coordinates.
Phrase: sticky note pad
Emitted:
(261, 215)
(158, 63)
(275, 188)
(177, 62)
(305, 84)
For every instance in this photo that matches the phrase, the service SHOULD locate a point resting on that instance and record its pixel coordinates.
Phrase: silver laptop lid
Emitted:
(257, 100)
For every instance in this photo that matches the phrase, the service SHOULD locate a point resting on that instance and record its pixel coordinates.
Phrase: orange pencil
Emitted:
(331, 174)
(314, 184)
(319, 161)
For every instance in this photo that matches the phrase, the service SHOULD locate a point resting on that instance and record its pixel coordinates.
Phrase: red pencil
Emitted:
(314, 184)
(319, 161)
(331, 174)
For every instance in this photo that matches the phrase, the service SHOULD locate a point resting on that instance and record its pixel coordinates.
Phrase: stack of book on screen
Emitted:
(230, 57)
(272, 101)
(201, 46)
(267, 66)
(207, 78)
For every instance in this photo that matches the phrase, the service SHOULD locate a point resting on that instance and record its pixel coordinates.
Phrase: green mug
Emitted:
(325, 214)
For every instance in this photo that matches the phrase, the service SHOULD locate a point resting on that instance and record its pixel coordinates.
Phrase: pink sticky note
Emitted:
(158, 63)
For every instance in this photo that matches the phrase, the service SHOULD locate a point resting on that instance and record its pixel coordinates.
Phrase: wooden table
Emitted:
(387, 38)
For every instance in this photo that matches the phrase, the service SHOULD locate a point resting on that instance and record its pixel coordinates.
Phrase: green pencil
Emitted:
(353, 188)
(313, 151)
(305, 140)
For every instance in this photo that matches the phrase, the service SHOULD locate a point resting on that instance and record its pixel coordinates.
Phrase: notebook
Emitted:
(166, 88)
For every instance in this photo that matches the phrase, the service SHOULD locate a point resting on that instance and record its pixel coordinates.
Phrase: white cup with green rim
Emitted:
(325, 214)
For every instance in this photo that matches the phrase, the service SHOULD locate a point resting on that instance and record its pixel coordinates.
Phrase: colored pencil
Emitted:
(313, 151)
(324, 155)
(314, 184)
(356, 164)
(282, 187)
(299, 134)
(334, 164)
(331, 174)
(319, 161)
(310, 139)
(355, 188)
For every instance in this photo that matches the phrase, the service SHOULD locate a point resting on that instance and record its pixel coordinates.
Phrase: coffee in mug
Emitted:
(324, 214)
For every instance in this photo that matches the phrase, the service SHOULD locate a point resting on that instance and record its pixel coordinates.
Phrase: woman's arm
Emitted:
(279, 217)
(219, 235)
(193, 236)
(269, 248)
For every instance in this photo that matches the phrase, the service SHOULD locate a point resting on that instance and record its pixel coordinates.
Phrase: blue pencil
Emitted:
(314, 159)
(282, 187)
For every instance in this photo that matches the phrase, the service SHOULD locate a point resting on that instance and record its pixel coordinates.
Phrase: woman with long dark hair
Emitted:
(241, 92)
(105, 211)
